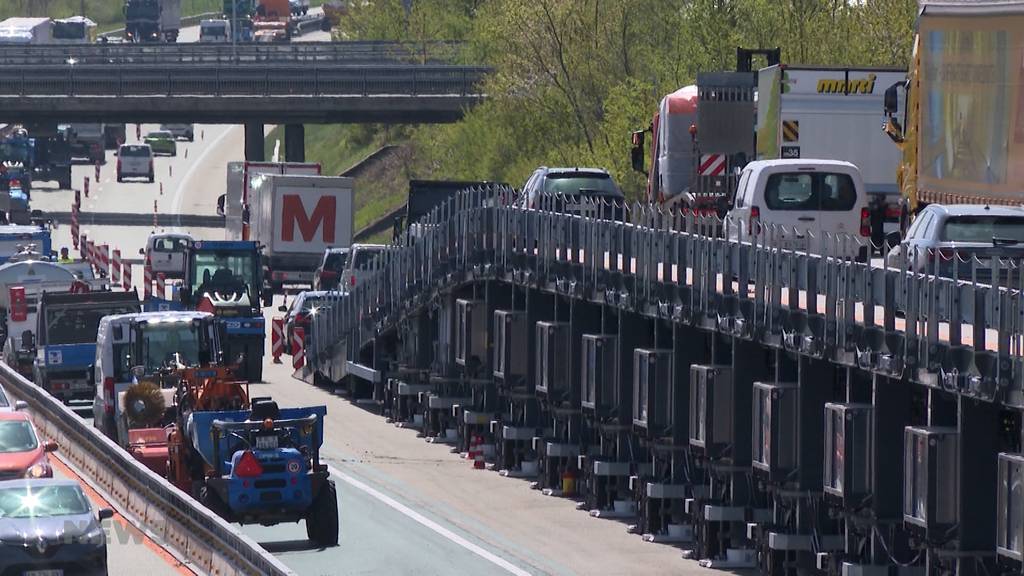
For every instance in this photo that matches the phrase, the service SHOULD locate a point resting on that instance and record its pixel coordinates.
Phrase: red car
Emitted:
(22, 454)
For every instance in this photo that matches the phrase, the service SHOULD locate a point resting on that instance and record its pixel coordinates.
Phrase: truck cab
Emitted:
(67, 324)
(225, 278)
(133, 346)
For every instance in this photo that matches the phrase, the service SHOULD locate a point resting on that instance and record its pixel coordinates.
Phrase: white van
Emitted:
(168, 253)
(804, 204)
(147, 340)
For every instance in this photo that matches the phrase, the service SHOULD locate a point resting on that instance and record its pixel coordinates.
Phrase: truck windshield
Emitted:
(78, 325)
(163, 343)
(223, 272)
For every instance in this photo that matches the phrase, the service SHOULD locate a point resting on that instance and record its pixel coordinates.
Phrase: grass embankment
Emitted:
(340, 146)
(106, 13)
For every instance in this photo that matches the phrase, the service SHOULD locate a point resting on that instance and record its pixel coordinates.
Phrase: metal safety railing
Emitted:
(962, 330)
(238, 80)
(336, 53)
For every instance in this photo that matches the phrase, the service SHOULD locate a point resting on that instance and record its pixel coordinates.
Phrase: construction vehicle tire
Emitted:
(322, 517)
(213, 502)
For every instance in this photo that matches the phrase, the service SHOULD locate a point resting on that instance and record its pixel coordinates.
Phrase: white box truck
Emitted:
(832, 114)
(19, 30)
(233, 205)
(296, 218)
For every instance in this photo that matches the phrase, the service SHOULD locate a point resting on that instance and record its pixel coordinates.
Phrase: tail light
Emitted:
(352, 280)
(326, 274)
(15, 184)
(248, 466)
(865, 222)
(301, 318)
(892, 211)
(108, 395)
(19, 304)
(755, 218)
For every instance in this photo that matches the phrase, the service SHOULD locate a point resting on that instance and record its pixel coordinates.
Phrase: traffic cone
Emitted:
(478, 459)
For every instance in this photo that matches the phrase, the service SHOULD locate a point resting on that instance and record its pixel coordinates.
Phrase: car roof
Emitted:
(976, 210)
(168, 315)
(139, 145)
(798, 162)
(574, 170)
(170, 235)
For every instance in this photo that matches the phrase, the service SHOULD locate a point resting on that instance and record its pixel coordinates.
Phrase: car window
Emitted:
(740, 188)
(4, 402)
(43, 501)
(810, 191)
(169, 245)
(17, 436)
(133, 151)
(912, 232)
(983, 228)
(573, 182)
(364, 256)
(336, 261)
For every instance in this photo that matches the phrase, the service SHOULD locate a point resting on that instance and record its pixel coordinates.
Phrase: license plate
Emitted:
(266, 442)
(43, 573)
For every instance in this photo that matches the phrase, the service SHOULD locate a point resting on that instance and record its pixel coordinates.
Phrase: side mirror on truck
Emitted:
(636, 152)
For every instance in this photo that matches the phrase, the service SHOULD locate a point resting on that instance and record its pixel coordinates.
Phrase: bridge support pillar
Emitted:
(295, 143)
(254, 142)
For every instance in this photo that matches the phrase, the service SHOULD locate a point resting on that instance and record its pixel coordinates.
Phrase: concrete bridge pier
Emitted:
(295, 143)
(254, 142)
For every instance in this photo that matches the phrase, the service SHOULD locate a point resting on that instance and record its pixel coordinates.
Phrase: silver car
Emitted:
(180, 131)
(49, 524)
(359, 265)
(962, 240)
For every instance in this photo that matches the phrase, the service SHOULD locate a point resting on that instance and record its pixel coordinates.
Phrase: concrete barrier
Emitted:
(184, 526)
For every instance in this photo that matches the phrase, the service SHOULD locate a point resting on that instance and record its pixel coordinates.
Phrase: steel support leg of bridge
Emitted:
(295, 143)
(254, 142)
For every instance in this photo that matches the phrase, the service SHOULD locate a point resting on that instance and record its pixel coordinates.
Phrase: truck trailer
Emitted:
(296, 218)
(958, 117)
(20, 30)
(152, 20)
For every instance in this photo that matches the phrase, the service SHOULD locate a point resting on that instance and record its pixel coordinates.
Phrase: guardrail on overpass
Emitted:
(194, 533)
(239, 92)
(354, 52)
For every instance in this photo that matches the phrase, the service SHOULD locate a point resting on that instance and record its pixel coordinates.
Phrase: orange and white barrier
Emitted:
(298, 348)
(115, 268)
(147, 279)
(277, 339)
(126, 277)
(161, 286)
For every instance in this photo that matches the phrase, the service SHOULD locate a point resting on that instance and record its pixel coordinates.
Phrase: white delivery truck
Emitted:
(20, 30)
(833, 114)
(296, 218)
(233, 205)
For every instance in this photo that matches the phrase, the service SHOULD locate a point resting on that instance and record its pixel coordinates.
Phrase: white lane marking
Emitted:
(428, 523)
(178, 196)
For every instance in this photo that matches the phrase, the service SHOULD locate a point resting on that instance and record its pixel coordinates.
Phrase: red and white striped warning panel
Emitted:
(298, 348)
(712, 165)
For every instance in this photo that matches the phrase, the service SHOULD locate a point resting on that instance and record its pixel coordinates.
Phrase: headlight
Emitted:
(95, 537)
(40, 470)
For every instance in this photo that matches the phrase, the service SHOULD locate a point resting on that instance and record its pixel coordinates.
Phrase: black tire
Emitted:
(151, 178)
(213, 502)
(64, 184)
(322, 518)
(175, 153)
(254, 367)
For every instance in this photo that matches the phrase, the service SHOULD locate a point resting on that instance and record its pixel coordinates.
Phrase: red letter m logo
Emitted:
(293, 212)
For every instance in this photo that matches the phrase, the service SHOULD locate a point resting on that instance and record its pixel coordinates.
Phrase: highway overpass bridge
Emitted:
(290, 84)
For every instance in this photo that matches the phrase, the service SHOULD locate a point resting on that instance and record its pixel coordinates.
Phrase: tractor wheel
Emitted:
(322, 518)
(213, 502)
(254, 367)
